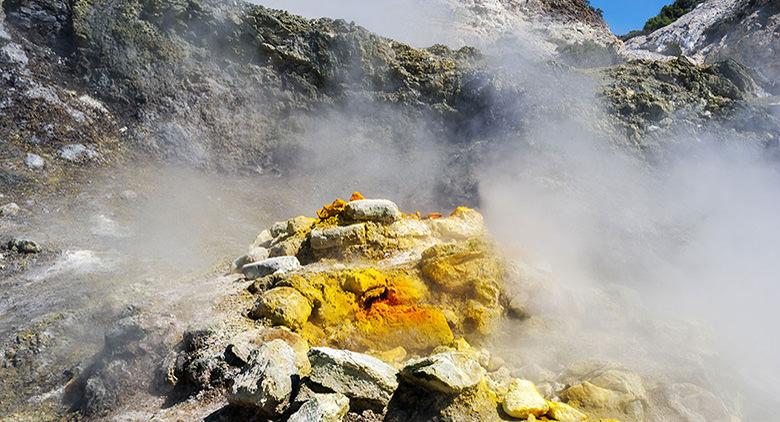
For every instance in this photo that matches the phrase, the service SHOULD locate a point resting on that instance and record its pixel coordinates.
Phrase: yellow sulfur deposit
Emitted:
(400, 282)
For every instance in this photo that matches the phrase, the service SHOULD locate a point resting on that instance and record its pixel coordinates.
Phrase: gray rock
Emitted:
(281, 264)
(268, 381)
(448, 373)
(340, 236)
(34, 161)
(380, 210)
(77, 153)
(12, 53)
(24, 246)
(322, 408)
(256, 254)
(9, 209)
(287, 247)
(263, 239)
(366, 380)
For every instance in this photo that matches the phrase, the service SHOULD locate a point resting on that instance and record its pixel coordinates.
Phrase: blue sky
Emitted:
(625, 15)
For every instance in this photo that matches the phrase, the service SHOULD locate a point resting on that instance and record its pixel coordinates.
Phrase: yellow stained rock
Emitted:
(562, 412)
(462, 267)
(362, 282)
(283, 306)
(589, 396)
(523, 400)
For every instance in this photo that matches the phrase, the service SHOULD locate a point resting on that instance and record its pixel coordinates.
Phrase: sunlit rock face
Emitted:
(722, 29)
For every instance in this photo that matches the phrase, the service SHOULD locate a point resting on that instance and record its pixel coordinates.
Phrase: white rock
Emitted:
(278, 265)
(366, 380)
(77, 152)
(14, 54)
(339, 236)
(256, 254)
(268, 381)
(9, 209)
(448, 373)
(34, 161)
(379, 210)
(409, 228)
(322, 408)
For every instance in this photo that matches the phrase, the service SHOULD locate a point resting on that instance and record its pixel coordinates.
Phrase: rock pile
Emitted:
(368, 313)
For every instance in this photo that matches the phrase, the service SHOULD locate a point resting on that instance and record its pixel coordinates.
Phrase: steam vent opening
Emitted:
(561, 210)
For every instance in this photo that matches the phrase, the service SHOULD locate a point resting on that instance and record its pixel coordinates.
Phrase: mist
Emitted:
(668, 267)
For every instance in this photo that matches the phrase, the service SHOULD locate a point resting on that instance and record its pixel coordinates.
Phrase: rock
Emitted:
(448, 373)
(463, 223)
(277, 265)
(591, 396)
(339, 236)
(409, 228)
(366, 380)
(77, 153)
(263, 239)
(287, 247)
(269, 380)
(366, 281)
(562, 412)
(322, 408)
(378, 210)
(256, 254)
(34, 161)
(300, 224)
(523, 400)
(9, 210)
(462, 267)
(283, 306)
(24, 246)
(241, 345)
(278, 229)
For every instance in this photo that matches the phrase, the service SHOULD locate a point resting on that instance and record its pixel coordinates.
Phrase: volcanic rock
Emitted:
(378, 210)
(281, 264)
(448, 373)
(283, 306)
(267, 383)
(523, 400)
(366, 380)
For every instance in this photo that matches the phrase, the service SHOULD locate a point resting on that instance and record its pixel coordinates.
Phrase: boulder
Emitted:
(283, 306)
(523, 400)
(9, 210)
(34, 161)
(339, 236)
(366, 380)
(448, 372)
(256, 254)
(267, 383)
(23, 246)
(378, 210)
(280, 264)
(322, 408)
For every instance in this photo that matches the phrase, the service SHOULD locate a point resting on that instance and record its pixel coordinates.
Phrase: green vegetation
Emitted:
(668, 15)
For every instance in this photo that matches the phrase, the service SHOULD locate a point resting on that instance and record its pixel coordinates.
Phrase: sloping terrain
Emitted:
(717, 30)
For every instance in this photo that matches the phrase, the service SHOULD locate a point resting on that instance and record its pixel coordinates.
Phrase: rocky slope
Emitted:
(716, 30)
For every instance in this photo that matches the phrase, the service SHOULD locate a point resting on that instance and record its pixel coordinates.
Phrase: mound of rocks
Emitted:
(377, 314)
